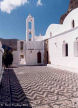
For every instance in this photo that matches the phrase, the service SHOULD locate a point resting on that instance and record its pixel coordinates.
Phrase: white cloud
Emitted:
(39, 3)
(9, 5)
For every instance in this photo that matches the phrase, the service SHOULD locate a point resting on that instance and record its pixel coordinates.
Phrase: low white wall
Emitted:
(15, 58)
(55, 49)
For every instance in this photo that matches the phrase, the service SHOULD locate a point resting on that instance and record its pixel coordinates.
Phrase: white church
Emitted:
(59, 46)
(30, 51)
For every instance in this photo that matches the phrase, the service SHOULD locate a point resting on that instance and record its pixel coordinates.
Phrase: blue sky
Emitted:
(13, 16)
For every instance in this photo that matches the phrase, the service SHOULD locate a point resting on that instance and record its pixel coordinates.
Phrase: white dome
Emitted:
(53, 30)
(56, 29)
(73, 15)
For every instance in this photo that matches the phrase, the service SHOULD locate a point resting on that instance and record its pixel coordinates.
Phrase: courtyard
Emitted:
(39, 87)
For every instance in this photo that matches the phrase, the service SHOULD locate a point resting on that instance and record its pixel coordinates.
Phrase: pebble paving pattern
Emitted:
(40, 87)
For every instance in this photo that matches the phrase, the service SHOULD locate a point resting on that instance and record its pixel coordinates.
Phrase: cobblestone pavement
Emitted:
(40, 87)
(11, 92)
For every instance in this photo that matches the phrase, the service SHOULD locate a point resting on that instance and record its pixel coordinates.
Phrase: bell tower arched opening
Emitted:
(30, 28)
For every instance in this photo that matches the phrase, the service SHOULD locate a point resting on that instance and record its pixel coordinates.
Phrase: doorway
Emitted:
(39, 57)
(47, 57)
(66, 49)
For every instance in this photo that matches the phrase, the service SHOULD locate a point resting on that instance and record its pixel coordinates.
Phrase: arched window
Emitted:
(65, 49)
(29, 25)
(47, 57)
(21, 45)
(30, 36)
(30, 30)
(39, 57)
(73, 24)
(76, 48)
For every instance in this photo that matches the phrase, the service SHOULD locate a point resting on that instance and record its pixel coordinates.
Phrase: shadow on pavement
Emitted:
(11, 92)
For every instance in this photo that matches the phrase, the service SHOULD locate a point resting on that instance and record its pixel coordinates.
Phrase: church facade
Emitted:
(31, 50)
(59, 46)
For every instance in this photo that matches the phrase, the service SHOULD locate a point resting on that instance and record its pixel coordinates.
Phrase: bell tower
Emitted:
(30, 28)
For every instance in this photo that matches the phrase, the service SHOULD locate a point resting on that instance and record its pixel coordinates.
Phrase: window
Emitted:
(65, 49)
(76, 48)
(73, 24)
(47, 57)
(21, 56)
(29, 25)
(30, 36)
(39, 57)
(55, 44)
(71, 2)
(21, 45)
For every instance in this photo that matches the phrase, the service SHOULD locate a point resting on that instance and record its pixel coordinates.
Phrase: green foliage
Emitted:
(7, 58)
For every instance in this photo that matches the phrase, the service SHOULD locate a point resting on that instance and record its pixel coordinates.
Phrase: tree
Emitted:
(7, 58)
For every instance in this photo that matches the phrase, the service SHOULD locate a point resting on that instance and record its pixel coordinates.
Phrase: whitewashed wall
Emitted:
(60, 34)
(31, 57)
(31, 48)
(56, 52)
(18, 45)
(15, 58)
(35, 45)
